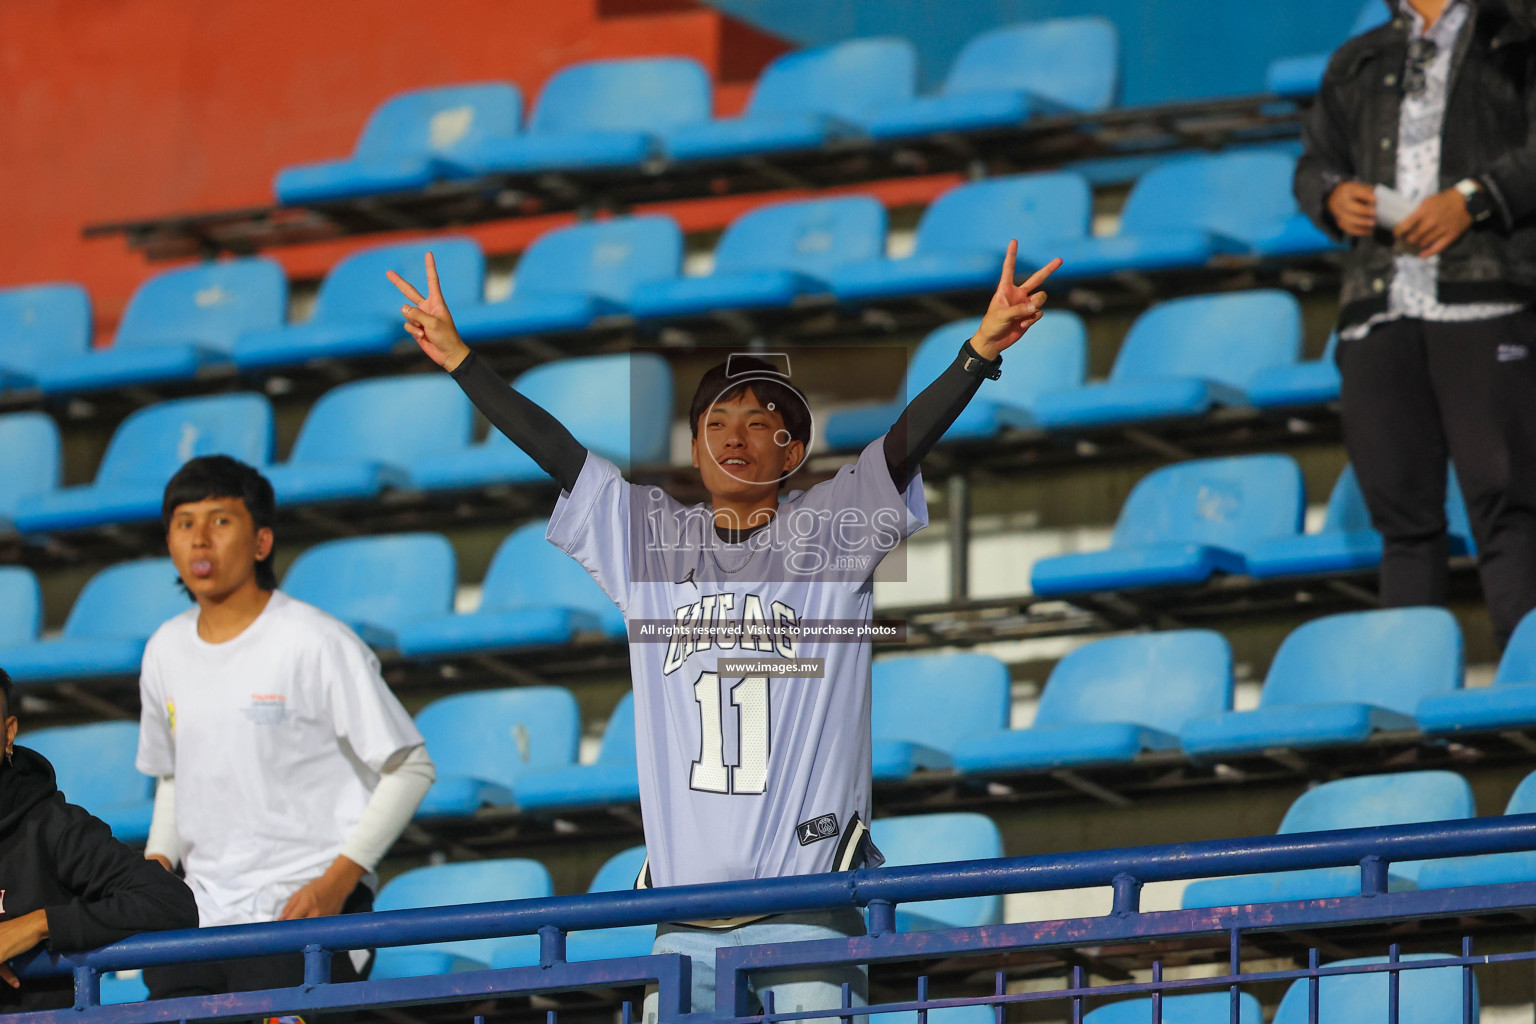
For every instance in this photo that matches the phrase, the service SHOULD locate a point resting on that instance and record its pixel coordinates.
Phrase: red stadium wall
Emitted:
(118, 109)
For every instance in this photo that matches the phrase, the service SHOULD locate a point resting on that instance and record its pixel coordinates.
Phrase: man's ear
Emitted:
(10, 732)
(263, 543)
(693, 451)
(794, 454)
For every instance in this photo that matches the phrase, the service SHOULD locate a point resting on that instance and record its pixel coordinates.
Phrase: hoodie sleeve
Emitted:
(117, 892)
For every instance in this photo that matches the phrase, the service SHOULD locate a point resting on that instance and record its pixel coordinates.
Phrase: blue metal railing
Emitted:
(880, 891)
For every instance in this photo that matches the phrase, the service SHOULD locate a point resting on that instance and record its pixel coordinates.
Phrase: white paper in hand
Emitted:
(1391, 207)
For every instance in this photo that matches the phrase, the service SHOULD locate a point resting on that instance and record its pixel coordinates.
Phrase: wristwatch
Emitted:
(991, 369)
(1479, 207)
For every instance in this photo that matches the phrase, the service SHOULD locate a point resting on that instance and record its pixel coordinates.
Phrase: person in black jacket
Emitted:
(1420, 151)
(63, 879)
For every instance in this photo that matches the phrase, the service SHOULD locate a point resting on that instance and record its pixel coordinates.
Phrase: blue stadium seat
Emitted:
(612, 779)
(94, 767)
(1183, 357)
(1314, 382)
(1488, 868)
(146, 450)
(1429, 995)
(177, 324)
(936, 839)
(359, 437)
(617, 874)
(978, 1014)
(768, 258)
(1338, 679)
(963, 234)
(118, 987)
(30, 456)
(1053, 356)
(21, 607)
(923, 706)
(1510, 703)
(1183, 524)
(483, 742)
(804, 99)
(107, 627)
(1073, 66)
(357, 311)
(1110, 701)
(1301, 76)
(619, 406)
(45, 324)
(377, 585)
(409, 142)
(572, 276)
(1360, 802)
(1347, 541)
(600, 113)
(1197, 1008)
(534, 595)
(448, 885)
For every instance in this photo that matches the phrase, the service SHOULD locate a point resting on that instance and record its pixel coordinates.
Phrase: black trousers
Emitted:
(253, 974)
(1416, 392)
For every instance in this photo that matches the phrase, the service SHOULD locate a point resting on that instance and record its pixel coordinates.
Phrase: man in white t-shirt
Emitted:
(286, 768)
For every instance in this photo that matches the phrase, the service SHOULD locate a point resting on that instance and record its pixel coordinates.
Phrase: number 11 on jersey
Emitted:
(710, 772)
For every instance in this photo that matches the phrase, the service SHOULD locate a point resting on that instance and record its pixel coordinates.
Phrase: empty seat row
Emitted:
(1241, 515)
(354, 443)
(197, 320)
(635, 112)
(1302, 75)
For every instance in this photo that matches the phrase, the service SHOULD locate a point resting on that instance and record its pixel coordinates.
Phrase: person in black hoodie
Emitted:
(63, 879)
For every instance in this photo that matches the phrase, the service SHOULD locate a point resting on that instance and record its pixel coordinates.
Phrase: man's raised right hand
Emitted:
(1353, 205)
(429, 322)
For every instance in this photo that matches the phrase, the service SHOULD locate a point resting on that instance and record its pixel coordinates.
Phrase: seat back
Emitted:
(1391, 658)
(94, 763)
(1371, 15)
(1072, 61)
(605, 258)
(619, 734)
(1241, 195)
(1224, 338)
(44, 324)
(1227, 503)
(619, 872)
(939, 699)
(21, 606)
(394, 420)
(209, 304)
(1518, 665)
(1160, 680)
(356, 288)
(842, 80)
(619, 405)
(127, 600)
(30, 454)
(151, 444)
(1523, 799)
(1053, 356)
(937, 839)
(1431, 995)
(1401, 798)
(1196, 1008)
(496, 735)
(813, 237)
(1347, 512)
(441, 120)
(528, 571)
(982, 216)
(389, 581)
(645, 94)
(477, 881)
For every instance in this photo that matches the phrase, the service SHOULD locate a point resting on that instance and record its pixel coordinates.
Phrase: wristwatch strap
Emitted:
(991, 369)
(1479, 205)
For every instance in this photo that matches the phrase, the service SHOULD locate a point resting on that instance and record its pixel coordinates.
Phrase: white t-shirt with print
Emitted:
(276, 739)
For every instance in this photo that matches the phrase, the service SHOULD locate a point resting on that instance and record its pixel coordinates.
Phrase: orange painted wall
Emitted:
(117, 109)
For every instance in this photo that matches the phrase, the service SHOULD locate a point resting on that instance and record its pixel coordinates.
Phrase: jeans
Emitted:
(804, 988)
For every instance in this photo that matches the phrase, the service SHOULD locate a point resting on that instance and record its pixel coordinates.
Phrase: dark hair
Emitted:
(5, 697)
(219, 476)
(767, 383)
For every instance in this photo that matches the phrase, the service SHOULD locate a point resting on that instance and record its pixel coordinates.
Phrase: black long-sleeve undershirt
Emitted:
(559, 454)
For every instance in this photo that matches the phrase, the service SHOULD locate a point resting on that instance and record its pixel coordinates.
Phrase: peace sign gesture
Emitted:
(1014, 307)
(429, 321)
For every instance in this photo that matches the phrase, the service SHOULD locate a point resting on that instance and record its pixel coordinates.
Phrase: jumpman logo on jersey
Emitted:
(688, 578)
